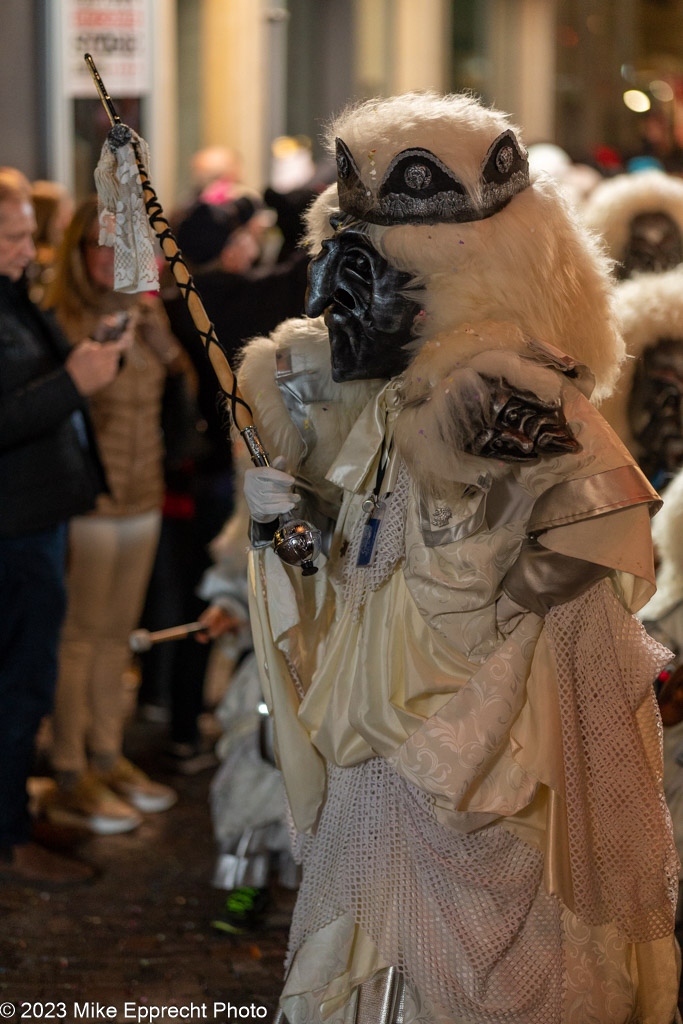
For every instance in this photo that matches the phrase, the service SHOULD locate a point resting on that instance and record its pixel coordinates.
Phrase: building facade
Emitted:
(192, 73)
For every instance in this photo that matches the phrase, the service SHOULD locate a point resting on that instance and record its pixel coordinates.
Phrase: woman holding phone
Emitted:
(111, 550)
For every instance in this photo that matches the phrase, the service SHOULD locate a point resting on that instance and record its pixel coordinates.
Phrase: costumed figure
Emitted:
(640, 219)
(646, 408)
(576, 180)
(663, 618)
(463, 705)
(248, 803)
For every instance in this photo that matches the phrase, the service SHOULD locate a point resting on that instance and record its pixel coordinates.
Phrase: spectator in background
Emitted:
(216, 173)
(215, 179)
(295, 181)
(53, 207)
(111, 550)
(49, 471)
(221, 245)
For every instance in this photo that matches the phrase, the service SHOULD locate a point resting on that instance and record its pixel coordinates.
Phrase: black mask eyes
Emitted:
(418, 188)
(345, 161)
(503, 160)
(418, 174)
(348, 175)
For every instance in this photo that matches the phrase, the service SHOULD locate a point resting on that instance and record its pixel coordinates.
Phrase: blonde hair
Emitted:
(14, 186)
(51, 201)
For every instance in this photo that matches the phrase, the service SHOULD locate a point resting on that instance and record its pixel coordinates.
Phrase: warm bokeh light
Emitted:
(567, 36)
(661, 91)
(636, 100)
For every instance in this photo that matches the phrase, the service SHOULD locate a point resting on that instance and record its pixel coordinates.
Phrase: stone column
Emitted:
(233, 49)
(522, 62)
(421, 35)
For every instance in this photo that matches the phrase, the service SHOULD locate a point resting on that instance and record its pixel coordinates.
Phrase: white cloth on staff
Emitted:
(122, 207)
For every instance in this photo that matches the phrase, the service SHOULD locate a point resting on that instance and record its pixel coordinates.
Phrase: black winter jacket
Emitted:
(49, 467)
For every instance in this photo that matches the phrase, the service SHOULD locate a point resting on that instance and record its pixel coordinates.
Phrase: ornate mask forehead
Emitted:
(418, 187)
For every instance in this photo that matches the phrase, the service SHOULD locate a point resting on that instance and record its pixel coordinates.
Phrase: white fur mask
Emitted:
(532, 263)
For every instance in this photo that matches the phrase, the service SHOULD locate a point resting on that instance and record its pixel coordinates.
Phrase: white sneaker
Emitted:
(91, 805)
(136, 788)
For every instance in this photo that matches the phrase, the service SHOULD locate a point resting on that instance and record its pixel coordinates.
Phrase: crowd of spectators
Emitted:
(116, 471)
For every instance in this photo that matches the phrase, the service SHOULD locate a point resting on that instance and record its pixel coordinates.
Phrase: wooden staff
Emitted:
(296, 541)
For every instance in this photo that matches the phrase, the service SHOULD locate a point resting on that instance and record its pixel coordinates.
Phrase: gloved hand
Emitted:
(268, 491)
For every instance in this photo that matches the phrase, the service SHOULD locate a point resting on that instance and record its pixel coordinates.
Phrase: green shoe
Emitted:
(243, 910)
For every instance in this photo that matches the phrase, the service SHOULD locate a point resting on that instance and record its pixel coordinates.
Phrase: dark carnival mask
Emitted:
(368, 317)
(656, 409)
(520, 426)
(654, 246)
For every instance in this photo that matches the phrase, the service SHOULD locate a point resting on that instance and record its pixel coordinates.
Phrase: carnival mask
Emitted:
(654, 246)
(368, 317)
(656, 409)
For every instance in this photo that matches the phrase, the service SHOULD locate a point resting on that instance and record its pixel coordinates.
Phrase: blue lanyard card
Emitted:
(366, 552)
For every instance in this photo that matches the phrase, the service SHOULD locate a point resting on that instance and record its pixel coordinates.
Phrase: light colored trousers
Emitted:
(109, 564)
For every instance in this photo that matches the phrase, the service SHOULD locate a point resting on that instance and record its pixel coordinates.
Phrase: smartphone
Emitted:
(113, 328)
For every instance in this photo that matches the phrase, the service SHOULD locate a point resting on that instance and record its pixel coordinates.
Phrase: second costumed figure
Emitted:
(462, 698)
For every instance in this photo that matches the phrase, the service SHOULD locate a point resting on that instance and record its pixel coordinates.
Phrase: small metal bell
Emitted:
(296, 542)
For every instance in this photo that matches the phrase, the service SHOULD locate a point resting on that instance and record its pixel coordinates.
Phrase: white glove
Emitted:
(268, 491)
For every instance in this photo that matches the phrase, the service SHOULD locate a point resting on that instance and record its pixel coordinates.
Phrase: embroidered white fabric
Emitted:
(622, 854)
(359, 581)
(463, 917)
(120, 196)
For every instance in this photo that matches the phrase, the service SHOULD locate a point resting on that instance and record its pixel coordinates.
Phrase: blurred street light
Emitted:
(636, 100)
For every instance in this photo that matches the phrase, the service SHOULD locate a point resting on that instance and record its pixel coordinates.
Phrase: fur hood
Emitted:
(533, 263)
(615, 202)
(650, 307)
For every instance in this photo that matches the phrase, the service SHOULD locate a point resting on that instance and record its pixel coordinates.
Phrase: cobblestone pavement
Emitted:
(136, 944)
(138, 939)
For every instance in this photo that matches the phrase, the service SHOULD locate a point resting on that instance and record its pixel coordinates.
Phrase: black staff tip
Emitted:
(104, 95)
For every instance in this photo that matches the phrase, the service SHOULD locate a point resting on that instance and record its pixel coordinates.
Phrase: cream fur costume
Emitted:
(663, 616)
(467, 854)
(649, 304)
(650, 307)
(667, 534)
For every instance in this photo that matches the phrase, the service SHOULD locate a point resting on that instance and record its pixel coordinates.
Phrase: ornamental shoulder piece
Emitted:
(519, 426)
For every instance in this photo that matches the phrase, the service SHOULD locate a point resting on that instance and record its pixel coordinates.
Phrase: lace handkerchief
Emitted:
(123, 220)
